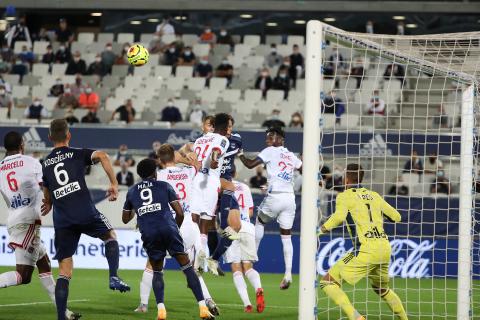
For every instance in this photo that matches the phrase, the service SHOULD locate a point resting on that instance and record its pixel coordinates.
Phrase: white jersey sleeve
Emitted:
(297, 163)
(265, 155)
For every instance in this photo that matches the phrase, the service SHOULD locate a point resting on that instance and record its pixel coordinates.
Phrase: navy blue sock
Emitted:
(158, 286)
(112, 254)
(225, 206)
(193, 282)
(212, 240)
(222, 247)
(61, 296)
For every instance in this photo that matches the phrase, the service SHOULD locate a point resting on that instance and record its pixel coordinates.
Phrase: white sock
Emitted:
(287, 255)
(10, 278)
(204, 242)
(206, 293)
(146, 286)
(241, 286)
(202, 303)
(259, 232)
(46, 279)
(254, 278)
(160, 306)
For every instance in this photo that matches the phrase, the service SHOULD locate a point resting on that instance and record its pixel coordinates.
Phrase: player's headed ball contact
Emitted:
(137, 55)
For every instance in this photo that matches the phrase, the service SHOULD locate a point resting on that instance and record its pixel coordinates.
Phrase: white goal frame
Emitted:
(310, 186)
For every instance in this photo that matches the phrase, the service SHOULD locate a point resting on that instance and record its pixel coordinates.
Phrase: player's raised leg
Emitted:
(333, 290)
(393, 301)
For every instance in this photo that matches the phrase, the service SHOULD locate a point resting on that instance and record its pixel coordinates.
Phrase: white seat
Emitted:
(143, 71)
(328, 120)
(296, 97)
(113, 103)
(242, 50)
(163, 71)
(89, 58)
(261, 50)
(168, 38)
(298, 40)
(235, 61)
(3, 114)
(182, 105)
(252, 40)
(139, 105)
(201, 49)
(123, 93)
(195, 84)
(20, 92)
(184, 71)
(264, 107)
(40, 47)
(209, 95)
(133, 82)
(86, 37)
(273, 39)
(18, 46)
(40, 69)
(162, 124)
(275, 96)
(254, 62)
(58, 69)
(253, 95)
(218, 83)
(13, 79)
(176, 84)
(152, 84)
(40, 91)
(123, 37)
(146, 37)
(284, 50)
(190, 39)
(232, 95)
(79, 113)
(49, 102)
(105, 37)
(245, 108)
(80, 47)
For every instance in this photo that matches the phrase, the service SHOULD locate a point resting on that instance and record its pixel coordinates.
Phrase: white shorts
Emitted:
(25, 240)
(280, 206)
(243, 249)
(191, 236)
(204, 197)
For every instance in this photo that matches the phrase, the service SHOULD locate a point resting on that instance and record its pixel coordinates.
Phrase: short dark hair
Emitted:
(221, 121)
(209, 118)
(166, 153)
(58, 130)
(276, 130)
(12, 141)
(355, 173)
(146, 168)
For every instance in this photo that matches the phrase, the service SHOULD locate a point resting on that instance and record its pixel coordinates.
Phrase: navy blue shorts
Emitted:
(66, 239)
(157, 243)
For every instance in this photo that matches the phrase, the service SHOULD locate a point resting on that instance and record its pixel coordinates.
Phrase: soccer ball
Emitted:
(137, 55)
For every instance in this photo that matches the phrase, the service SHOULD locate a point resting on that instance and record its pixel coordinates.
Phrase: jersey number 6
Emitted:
(12, 182)
(60, 175)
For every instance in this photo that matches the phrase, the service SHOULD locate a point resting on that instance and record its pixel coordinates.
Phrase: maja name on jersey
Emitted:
(17, 202)
(11, 165)
(58, 158)
(67, 189)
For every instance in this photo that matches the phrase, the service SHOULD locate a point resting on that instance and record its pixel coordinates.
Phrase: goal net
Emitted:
(405, 108)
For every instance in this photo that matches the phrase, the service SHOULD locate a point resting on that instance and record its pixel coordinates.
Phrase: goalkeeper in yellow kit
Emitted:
(363, 211)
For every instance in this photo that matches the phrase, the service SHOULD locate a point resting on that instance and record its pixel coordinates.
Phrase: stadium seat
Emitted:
(252, 40)
(143, 71)
(96, 47)
(80, 113)
(195, 84)
(284, 50)
(3, 114)
(184, 71)
(40, 69)
(163, 71)
(86, 37)
(58, 69)
(261, 50)
(275, 96)
(111, 81)
(49, 102)
(247, 74)
(253, 95)
(13, 79)
(221, 50)
(182, 105)
(30, 80)
(83, 48)
(235, 61)
(236, 38)
(218, 83)
(190, 39)
(273, 39)
(123, 37)
(119, 70)
(40, 91)
(29, 122)
(232, 95)
(133, 82)
(162, 124)
(298, 40)
(209, 95)
(20, 91)
(242, 50)
(40, 47)
(18, 46)
(176, 84)
(201, 49)
(168, 38)
(255, 62)
(146, 37)
(17, 113)
(105, 37)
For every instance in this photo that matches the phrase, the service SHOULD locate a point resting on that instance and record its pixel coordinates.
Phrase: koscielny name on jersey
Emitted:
(407, 259)
(57, 159)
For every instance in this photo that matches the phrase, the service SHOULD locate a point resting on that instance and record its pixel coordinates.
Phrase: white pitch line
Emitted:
(266, 306)
(36, 303)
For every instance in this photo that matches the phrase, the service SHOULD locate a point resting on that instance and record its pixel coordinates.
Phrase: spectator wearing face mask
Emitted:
(282, 82)
(77, 65)
(357, 69)
(376, 105)
(124, 176)
(296, 121)
(7, 85)
(155, 147)
(42, 35)
(187, 58)
(19, 32)
(414, 165)
(126, 112)
(18, 67)
(258, 180)
(108, 57)
(123, 155)
(335, 66)
(333, 104)
(171, 113)
(273, 121)
(4, 66)
(433, 165)
(394, 70)
(297, 64)
(49, 56)
(369, 27)
(77, 87)
(155, 45)
(26, 56)
(90, 117)
(6, 100)
(67, 100)
(171, 55)
(57, 89)
(97, 68)
(7, 53)
(273, 58)
(122, 58)
(63, 54)
(225, 70)
(441, 184)
(208, 36)
(225, 38)
(63, 33)
(204, 70)
(89, 100)
(264, 82)
(197, 114)
(36, 110)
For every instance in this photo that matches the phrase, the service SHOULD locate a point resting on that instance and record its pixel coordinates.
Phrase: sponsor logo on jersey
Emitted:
(66, 190)
(149, 208)
(32, 140)
(375, 234)
(17, 202)
(375, 147)
(285, 176)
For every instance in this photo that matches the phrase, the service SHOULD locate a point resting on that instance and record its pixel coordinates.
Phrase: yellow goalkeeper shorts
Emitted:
(352, 268)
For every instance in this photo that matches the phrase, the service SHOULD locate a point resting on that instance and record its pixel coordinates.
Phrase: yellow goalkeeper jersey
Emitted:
(363, 212)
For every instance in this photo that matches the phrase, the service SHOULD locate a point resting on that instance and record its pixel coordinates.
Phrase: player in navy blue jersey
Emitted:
(151, 200)
(74, 212)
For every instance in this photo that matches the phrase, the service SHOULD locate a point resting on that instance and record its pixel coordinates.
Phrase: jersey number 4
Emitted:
(12, 182)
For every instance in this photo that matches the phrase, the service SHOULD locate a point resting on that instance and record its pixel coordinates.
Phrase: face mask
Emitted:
(187, 53)
(98, 59)
(1, 60)
(62, 48)
(126, 48)
(274, 50)
(197, 107)
(376, 97)
(208, 30)
(440, 173)
(109, 48)
(88, 90)
(36, 103)
(286, 64)
(264, 74)
(223, 33)
(172, 50)
(274, 116)
(156, 37)
(2, 91)
(204, 62)
(67, 90)
(225, 62)
(76, 59)
(58, 82)
(296, 119)
(170, 103)
(123, 152)
(282, 75)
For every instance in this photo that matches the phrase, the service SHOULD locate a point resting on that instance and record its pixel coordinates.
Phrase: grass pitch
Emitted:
(89, 295)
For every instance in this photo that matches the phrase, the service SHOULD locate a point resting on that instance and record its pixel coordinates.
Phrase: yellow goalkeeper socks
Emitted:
(335, 293)
(395, 304)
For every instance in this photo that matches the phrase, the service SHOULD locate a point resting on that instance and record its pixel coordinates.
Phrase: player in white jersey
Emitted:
(181, 179)
(279, 203)
(20, 180)
(243, 252)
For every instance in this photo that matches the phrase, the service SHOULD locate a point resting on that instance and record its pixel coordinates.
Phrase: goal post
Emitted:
(402, 99)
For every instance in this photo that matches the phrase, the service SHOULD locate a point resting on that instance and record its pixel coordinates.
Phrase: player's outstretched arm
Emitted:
(249, 163)
(338, 217)
(189, 158)
(104, 159)
(47, 202)
(177, 207)
(390, 212)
